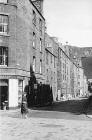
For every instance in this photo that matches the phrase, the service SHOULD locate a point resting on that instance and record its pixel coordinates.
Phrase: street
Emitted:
(61, 121)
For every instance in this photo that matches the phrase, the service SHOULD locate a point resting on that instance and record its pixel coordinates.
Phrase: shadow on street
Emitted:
(73, 106)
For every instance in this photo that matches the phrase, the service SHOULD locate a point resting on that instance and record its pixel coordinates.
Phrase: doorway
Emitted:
(3, 93)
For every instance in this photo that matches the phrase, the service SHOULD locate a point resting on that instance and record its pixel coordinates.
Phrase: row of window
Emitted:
(34, 65)
(47, 58)
(4, 59)
(34, 16)
(4, 24)
(34, 42)
(51, 78)
(35, 21)
(64, 77)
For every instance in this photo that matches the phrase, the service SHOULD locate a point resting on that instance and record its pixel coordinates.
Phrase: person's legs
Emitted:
(22, 111)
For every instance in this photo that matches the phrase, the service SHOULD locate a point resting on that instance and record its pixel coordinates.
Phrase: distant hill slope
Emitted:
(86, 51)
(85, 56)
(80, 52)
(87, 65)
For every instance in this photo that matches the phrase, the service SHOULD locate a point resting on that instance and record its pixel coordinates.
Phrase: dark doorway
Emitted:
(3, 94)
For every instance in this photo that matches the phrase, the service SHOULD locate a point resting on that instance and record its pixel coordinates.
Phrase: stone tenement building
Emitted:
(71, 81)
(22, 30)
(51, 54)
(24, 44)
(63, 71)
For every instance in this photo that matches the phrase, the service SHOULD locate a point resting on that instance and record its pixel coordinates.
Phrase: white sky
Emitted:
(70, 20)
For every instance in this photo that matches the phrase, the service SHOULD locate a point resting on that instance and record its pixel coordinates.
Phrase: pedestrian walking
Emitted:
(24, 109)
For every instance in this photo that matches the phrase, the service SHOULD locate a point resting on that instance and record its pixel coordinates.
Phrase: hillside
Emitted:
(85, 55)
(87, 65)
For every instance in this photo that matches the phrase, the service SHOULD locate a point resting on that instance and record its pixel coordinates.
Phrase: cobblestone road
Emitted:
(44, 128)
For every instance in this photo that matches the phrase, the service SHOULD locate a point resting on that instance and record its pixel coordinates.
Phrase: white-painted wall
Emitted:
(13, 92)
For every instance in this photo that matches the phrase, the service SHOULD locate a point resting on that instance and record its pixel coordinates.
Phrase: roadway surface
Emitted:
(61, 121)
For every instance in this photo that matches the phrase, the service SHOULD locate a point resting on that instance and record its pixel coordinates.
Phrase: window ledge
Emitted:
(3, 13)
(4, 34)
(3, 66)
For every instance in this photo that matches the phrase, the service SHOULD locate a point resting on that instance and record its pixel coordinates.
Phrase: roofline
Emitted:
(50, 52)
(68, 57)
(37, 9)
(64, 52)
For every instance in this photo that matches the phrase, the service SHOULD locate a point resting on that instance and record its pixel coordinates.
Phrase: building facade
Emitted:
(71, 80)
(63, 70)
(24, 44)
(22, 28)
(51, 48)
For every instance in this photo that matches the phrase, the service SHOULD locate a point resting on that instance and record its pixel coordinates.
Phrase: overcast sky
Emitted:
(70, 20)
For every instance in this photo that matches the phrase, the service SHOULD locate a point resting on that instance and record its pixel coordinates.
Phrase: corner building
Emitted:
(22, 28)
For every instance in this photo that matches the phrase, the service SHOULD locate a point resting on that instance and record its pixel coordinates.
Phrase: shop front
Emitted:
(10, 93)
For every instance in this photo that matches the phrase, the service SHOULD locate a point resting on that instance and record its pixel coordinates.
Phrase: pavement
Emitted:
(36, 128)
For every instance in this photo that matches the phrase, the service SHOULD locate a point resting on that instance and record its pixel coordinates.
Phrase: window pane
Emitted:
(34, 40)
(34, 17)
(5, 28)
(0, 18)
(5, 19)
(40, 66)
(1, 28)
(3, 23)
(0, 60)
(0, 51)
(40, 25)
(3, 56)
(34, 63)
(40, 45)
(46, 57)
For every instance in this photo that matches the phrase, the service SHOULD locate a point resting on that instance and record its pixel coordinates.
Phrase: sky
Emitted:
(70, 21)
